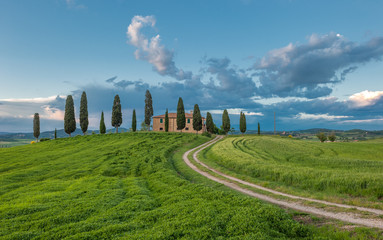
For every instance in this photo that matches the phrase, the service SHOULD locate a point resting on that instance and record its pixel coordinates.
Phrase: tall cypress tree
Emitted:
(55, 133)
(69, 118)
(166, 121)
(36, 126)
(84, 122)
(197, 119)
(102, 124)
(209, 123)
(225, 121)
(259, 129)
(116, 113)
(181, 119)
(242, 123)
(134, 121)
(148, 108)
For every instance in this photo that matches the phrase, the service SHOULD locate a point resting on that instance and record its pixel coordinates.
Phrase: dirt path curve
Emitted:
(345, 217)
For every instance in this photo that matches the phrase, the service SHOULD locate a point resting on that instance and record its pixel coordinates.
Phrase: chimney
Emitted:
(191, 111)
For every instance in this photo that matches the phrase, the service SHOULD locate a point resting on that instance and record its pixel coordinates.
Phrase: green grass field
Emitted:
(6, 143)
(332, 171)
(124, 186)
(132, 186)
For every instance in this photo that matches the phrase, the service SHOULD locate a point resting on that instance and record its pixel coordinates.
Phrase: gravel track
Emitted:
(342, 216)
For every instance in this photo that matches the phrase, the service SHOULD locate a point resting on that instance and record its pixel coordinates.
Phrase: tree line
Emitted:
(116, 120)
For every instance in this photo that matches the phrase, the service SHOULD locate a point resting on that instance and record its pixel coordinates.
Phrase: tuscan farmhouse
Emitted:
(159, 123)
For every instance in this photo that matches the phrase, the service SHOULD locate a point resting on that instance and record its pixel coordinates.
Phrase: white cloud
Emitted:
(308, 116)
(365, 98)
(152, 50)
(364, 120)
(52, 113)
(31, 100)
(236, 111)
(311, 69)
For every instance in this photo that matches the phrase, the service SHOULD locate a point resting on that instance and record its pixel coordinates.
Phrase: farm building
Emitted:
(159, 123)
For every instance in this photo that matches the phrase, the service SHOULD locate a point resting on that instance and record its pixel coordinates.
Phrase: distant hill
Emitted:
(50, 134)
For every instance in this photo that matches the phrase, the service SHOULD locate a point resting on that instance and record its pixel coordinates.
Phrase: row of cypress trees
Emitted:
(116, 121)
(70, 122)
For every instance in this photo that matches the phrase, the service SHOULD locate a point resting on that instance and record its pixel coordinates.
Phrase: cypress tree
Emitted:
(181, 119)
(209, 123)
(69, 118)
(116, 113)
(259, 129)
(148, 108)
(225, 121)
(197, 119)
(84, 122)
(166, 121)
(55, 133)
(36, 126)
(102, 124)
(242, 123)
(134, 121)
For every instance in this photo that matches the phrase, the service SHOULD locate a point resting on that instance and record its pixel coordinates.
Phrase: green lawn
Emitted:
(125, 186)
(328, 170)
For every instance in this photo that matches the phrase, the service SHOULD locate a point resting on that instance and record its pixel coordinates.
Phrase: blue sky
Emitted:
(315, 63)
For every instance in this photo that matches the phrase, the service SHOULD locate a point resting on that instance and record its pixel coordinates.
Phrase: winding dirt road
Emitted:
(342, 216)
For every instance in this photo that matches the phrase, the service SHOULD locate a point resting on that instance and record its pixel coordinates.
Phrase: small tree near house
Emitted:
(197, 119)
(209, 123)
(102, 124)
(181, 119)
(166, 121)
(148, 108)
(225, 121)
(242, 123)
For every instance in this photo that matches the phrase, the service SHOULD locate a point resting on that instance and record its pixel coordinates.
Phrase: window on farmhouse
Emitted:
(188, 121)
(161, 120)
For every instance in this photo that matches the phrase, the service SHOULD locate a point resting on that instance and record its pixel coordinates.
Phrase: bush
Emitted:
(332, 137)
(206, 134)
(322, 137)
(290, 136)
(44, 139)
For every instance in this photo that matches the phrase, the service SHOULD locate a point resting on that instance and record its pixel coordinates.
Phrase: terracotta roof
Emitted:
(174, 115)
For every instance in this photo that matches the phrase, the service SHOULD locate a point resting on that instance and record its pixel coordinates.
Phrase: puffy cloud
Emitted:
(306, 116)
(33, 100)
(152, 50)
(310, 70)
(374, 120)
(235, 111)
(365, 98)
(230, 80)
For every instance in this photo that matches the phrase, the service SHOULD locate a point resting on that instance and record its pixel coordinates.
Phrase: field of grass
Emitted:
(326, 170)
(125, 186)
(6, 143)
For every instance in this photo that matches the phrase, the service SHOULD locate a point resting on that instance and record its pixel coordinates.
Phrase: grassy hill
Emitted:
(125, 186)
(341, 171)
